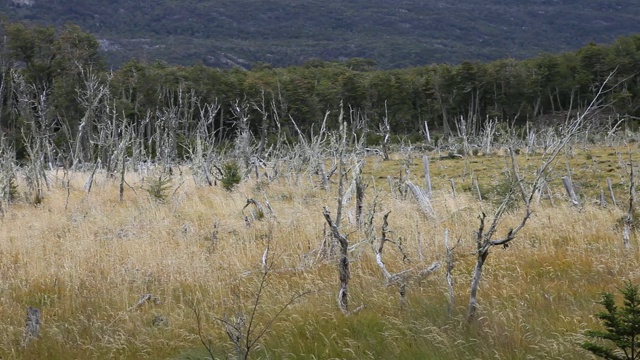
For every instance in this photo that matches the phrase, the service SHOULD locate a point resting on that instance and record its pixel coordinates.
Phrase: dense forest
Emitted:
(396, 34)
(56, 91)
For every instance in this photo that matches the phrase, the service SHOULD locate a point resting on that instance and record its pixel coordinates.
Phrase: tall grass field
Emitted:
(144, 278)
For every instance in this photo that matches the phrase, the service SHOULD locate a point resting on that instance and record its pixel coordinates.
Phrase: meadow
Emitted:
(142, 278)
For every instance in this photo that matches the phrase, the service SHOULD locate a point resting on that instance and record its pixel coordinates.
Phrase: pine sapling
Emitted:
(621, 327)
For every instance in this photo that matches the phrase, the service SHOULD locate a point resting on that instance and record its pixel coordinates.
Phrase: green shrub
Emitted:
(415, 137)
(374, 139)
(504, 188)
(622, 326)
(230, 175)
(10, 191)
(436, 138)
(159, 188)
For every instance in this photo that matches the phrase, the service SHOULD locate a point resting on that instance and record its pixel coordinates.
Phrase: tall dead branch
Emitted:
(485, 236)
(33, 106)
(385, 132)
(202, 150)
(450, 263)
(360, 187)
(427, 176)
(568, 186)
(32, 326)
(422, 198)
(628, 218)
(343, 262)
(403, 276)
(245, 326)
(613, 196)
(91, 98)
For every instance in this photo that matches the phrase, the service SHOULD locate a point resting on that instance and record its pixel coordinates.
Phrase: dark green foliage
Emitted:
(509, 91)
(158, 189)
(230, 175)
(501, 190)
(11, 192)
(374, 139)
(621, 327)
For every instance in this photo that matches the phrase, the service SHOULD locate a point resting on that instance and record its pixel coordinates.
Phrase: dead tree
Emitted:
(244, 324)
(485, 237)
(427, 175)
(110, 130)
(262, 108)
(33, 107)
(628, 218)
(389, 278)
(450, 263)
(383, 240)
(613, 196)
(385, 131)
(121, 152)
(257, 212)
(488, 134)
(360, 189)
(425, 130)
(568, 186)
(343, 262)
(242, 147)
(32, 326)
(201, 151)
(359, 127)
(422, 198)
(3, 76)
(403, 276)
(531, 140)
(465, 132)
(90, 98)
(268, 111)
(312, 152)
(477, 187)
(170, 123)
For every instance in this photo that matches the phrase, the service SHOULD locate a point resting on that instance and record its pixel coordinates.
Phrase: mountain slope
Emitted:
(284, 32)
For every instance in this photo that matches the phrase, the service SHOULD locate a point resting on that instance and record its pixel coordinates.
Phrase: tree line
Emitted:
(55, 88)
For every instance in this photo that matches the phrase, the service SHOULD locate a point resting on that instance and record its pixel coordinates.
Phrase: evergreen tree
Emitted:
(622, 326)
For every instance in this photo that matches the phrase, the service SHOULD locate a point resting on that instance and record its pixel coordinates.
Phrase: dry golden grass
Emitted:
(86, 260)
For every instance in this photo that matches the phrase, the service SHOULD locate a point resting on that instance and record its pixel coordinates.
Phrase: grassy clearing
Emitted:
(86, 260)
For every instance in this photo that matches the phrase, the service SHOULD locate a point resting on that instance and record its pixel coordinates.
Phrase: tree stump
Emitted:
(32, 325)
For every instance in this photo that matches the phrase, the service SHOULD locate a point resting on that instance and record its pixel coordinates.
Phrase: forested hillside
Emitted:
(284, 32)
